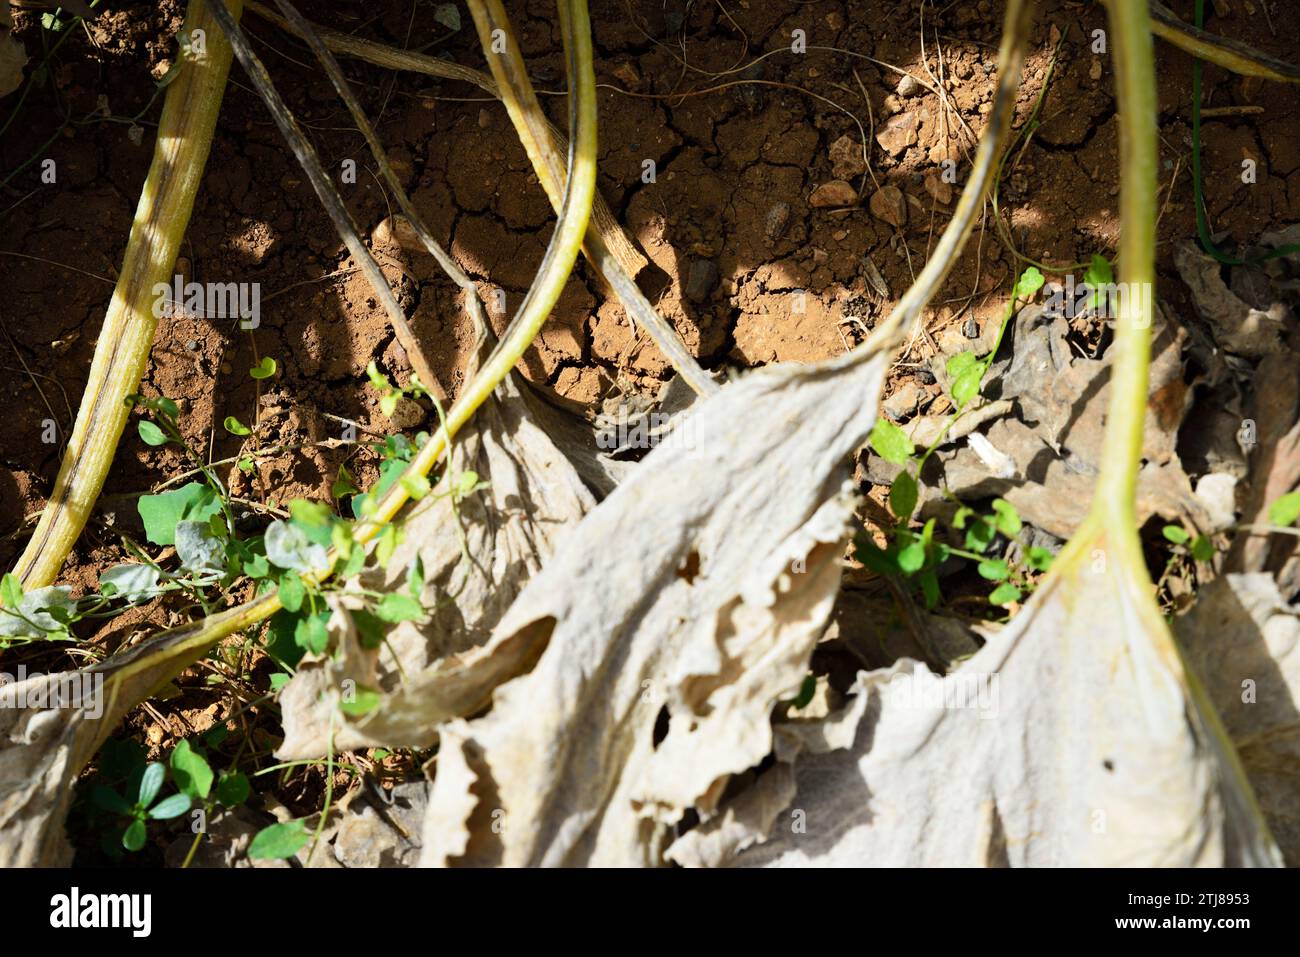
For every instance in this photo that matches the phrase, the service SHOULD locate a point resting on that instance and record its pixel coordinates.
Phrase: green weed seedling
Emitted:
(916, 556)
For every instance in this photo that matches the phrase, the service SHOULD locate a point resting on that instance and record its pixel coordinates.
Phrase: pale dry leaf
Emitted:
(477, 556)
(1069, 739)
(1051, 446)
(1236, 325)
(51, 725)
(678, 613)
(1271, 438)
(1243, 641)
(13, 56)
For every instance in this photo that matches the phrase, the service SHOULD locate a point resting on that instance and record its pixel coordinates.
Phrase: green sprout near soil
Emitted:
(917, 557)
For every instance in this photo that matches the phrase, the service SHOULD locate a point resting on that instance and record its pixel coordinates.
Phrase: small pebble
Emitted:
(971, 330)
(701, 280)
(192, 345)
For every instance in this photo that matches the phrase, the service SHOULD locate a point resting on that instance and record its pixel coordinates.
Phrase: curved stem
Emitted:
(184, 139)
(1134, 57)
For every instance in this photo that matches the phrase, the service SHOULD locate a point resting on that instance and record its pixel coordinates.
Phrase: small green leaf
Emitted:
(356, 561)
(151, 434)
(133, 837)
(376, 378)
(963, 515)
(875, 558)
(395, 607)
(344, 484)
(1202, 549)
(1039, 559)
(166, 406)
(279, 680)
(362, 701)
(310, 514)
(890, 442)
(1176, 534)
(370, 630)
(1097, 275)
(995, 570)
(1030, 281)
(1285, 510)
(264, 369)
(245, 465)
(292, 592)
(279, 841)
(150, 783)
(11, 591)
(464, 483)
(109, 800)
(191, 770)
(170, 807)
(1004, 594)
(911, 557)
(967, 385)
(416, 486)
(235, 427)
(902, 496)
(160, 513)
(807, 689)
(296, 546)
(929, 588)
(341, 539)
(979, 536)
(310, 634)
(1006, 518)
(257, 566)
(387, 544)
(448, 15)
(960, 363)
(415, 578)
(232, 788)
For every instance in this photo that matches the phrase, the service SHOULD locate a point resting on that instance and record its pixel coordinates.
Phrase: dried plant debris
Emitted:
(1271, 438)
(1037, 442)
(13, 57)
(51, 725)
(678, 613)
(1236, 325)
(1067, 740)
(476, 553)
(1244, 642)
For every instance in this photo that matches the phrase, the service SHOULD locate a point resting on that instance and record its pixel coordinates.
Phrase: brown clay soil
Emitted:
(733, 222)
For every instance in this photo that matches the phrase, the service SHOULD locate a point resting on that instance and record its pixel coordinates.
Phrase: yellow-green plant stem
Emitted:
(168, 653)
(1229, 54)
(606, 246)
(1134, 58)
(189, 117)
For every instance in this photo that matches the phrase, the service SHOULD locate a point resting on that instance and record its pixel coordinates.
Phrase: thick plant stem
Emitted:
(184, 138)
(136, 673)
(1135, 81)
(1229, 54)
